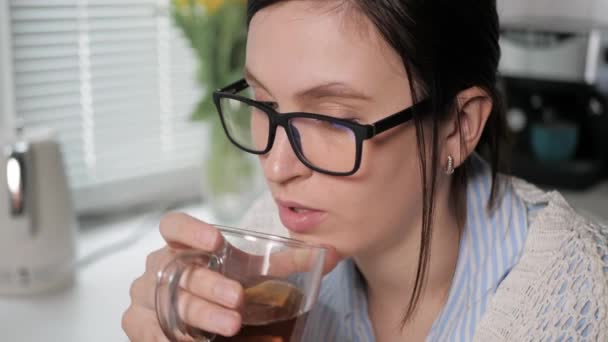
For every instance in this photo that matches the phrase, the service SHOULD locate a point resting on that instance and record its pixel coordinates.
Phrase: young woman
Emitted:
(434, 244)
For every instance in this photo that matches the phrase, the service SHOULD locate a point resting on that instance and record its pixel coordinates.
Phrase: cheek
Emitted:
(391, 166)
(384, 196)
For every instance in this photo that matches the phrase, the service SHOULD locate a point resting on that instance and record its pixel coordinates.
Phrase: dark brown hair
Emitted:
(446, 46)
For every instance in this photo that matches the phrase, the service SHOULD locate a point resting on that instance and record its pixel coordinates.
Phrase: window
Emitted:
(116, 81)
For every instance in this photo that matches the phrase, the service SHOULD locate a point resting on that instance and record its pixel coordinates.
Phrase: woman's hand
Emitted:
(209, 301)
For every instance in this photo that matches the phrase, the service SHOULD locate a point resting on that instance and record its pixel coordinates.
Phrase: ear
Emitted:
(463, 129)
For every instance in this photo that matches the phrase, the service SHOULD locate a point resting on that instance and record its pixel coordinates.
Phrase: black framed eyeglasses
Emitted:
(323, 143)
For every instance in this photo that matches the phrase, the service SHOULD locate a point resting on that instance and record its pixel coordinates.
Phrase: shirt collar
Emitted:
(349, 289)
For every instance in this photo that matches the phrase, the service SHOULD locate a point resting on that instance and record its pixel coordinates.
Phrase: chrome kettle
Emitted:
(37, 219)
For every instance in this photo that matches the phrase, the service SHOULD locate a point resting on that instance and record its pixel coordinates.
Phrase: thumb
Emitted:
(332, 258)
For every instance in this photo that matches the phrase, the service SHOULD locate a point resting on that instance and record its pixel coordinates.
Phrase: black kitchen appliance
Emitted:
(556, 87)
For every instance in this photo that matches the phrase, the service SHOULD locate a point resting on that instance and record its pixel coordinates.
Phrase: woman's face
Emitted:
(307, 57)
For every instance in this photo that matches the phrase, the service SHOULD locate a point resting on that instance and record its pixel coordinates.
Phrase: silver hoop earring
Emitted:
(450, 168)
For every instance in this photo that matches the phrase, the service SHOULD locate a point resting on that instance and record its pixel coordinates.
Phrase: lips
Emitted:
(299, 218)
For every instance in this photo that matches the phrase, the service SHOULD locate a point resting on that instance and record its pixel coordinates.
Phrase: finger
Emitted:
(142, 292)
(184, 231)
(295, 260)
(142, 289)
(154, 259)
(332, 258)
(213, 318)
(214, 287)
(141, 325)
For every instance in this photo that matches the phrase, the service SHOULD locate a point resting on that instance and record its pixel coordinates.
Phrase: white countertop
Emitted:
(92, 309)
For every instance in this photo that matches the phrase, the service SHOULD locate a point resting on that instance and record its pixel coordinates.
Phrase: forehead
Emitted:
(296, 44)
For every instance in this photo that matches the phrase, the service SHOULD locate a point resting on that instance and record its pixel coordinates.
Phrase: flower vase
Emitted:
(232, 180)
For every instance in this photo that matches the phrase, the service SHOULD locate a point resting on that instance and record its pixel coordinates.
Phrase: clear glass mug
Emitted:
(281, 278)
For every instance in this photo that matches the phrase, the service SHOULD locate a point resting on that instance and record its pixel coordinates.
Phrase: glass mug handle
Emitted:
(167, 294)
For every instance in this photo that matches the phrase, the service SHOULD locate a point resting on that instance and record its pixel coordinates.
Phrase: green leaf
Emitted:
(218, 41)
(205, 110)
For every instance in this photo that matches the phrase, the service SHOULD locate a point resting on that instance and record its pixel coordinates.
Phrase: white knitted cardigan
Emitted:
(558, 291)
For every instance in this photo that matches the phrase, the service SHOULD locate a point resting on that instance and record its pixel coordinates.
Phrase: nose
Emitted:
(281, 165)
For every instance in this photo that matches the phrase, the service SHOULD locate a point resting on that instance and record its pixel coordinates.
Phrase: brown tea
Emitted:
(271, 313)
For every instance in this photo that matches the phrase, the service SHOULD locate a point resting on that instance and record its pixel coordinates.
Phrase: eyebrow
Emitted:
(324, 90)
(250, 78)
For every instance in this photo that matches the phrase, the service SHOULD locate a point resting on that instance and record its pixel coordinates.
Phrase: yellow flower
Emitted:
(204, 6)
(210, 5)
(181, 4)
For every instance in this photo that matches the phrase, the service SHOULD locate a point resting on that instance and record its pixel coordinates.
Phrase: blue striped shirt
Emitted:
(489, 248)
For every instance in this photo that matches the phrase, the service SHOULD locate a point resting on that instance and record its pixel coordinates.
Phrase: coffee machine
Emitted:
(554, 74)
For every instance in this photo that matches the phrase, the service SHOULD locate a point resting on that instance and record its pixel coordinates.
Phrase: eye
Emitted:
(353, 120)
(338, 125)
(338, 112)
(334, 125)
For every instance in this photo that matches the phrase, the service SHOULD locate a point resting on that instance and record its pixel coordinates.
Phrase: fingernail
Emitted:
(227, 293)
(226, 322)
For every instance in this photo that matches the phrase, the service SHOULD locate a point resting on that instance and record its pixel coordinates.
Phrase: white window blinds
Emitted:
(116, 81)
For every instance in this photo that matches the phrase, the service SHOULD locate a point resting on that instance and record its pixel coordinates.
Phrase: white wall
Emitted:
(7, 101)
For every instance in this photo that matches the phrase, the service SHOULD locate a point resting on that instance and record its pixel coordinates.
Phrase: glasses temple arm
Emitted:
(235, 87)
(400, 117)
